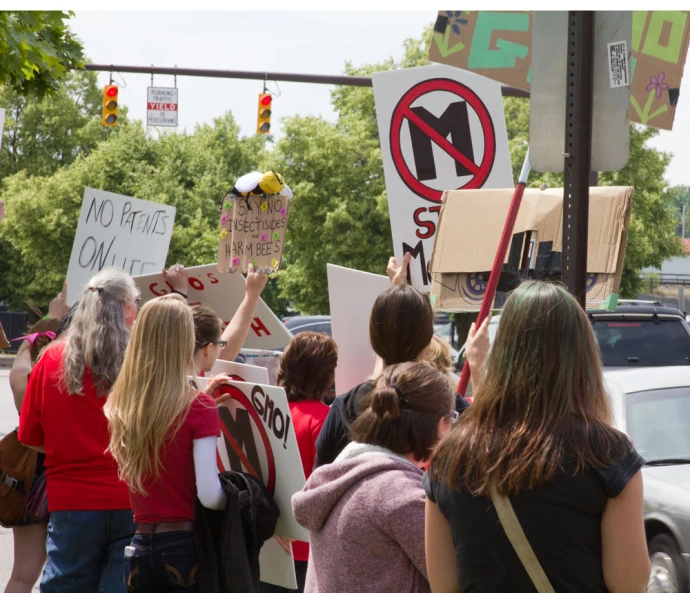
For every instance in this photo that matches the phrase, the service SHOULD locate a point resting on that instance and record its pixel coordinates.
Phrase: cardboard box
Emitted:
(470, 227)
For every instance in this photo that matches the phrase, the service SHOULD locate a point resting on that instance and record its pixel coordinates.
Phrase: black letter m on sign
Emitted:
(454, 123)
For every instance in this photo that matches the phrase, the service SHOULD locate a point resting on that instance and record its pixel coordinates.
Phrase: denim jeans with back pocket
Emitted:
(163, 562)
(86, 550)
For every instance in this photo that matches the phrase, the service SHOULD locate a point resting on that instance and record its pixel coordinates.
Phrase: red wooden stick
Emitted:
(498, 262)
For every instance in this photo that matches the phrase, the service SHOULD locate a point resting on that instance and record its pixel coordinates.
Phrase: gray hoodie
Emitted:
(365, 516)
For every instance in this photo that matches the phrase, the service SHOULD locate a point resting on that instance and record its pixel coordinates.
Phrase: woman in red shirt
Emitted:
(163, 436)
(307, 373)
(62, 416)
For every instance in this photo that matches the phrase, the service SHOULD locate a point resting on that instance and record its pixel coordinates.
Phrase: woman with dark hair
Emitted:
(535, 463)
(365, 511)
(401, 327)
(306, 372)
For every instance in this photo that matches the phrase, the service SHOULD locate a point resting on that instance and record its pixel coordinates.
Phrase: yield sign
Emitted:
(425, 128)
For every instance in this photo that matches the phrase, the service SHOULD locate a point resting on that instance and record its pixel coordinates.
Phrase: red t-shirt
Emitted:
(307, 418)
(172, 496)
(80, 475)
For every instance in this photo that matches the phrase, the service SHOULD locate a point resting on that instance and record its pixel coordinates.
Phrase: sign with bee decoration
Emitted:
(253, 221)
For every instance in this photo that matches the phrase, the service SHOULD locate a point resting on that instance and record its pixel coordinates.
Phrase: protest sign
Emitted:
(258, 437)
(660, 47)
(252, 229)
(470, 229)
(223, 293)
(352, 294)
(417, 110)
(240, 372)
(276, 566)
(498, 45)
(119, 231)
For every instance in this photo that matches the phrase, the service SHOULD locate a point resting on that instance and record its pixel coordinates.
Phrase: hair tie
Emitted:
(98, 288)
(397, 390)
(31, 338)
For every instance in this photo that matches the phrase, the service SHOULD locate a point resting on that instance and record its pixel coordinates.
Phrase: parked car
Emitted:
(633, 336)
(312, 323)
(641, 336)
(652, 406)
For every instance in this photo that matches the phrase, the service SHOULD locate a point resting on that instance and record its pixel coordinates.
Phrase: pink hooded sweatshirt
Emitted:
(365, 516)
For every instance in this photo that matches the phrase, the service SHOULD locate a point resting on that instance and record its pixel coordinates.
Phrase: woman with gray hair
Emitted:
(62, 415)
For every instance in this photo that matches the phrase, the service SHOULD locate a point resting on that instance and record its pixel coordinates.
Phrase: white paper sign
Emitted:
(258, 437)
(242, 372)
(352, 294)
(224, 293)
(161, 107)
(441, 128)
(117, 231)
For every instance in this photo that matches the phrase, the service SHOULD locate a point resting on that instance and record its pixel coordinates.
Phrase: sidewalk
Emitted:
(6, 361)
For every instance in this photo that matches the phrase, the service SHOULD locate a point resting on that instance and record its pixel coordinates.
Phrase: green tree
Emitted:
(679, 196)
(36, 48)
(44, 135)
(189, 171)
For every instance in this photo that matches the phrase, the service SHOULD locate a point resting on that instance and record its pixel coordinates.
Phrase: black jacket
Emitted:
(228, 542)
(334, 435)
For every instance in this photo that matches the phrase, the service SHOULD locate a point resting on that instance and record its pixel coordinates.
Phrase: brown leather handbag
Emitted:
(17, 469)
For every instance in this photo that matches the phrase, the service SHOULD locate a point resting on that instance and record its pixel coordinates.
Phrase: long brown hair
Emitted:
(401, 324)
(403, 411)
(540, 403)
(307, 367)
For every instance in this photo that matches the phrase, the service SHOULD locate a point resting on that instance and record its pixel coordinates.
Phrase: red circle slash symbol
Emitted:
(480, 172)
(242, 400)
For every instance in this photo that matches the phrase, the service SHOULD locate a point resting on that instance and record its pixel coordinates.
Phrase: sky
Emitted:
(298, 41)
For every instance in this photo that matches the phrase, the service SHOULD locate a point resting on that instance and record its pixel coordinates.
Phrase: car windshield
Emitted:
(642, 342)
(659, 423)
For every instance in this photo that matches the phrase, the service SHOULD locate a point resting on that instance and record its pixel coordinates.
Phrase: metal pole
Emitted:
(365, 81)
(578, 144)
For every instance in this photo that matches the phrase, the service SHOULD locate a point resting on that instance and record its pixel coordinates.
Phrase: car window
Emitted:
(642, 342)
(659, 422)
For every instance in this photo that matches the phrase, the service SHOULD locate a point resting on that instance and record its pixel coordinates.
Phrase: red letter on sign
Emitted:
(258, 327)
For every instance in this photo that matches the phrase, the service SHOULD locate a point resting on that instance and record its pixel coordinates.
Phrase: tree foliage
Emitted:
(191, 172)
(56, 147)
(36, 48)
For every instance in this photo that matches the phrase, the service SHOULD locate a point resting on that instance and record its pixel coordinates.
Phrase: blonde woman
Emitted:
(163, 436)
(440, 355)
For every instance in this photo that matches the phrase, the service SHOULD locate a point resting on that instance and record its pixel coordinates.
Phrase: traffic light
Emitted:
(110, 105)
(263, 124)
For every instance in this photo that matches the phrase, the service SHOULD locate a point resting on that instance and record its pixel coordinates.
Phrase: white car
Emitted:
(652, 406)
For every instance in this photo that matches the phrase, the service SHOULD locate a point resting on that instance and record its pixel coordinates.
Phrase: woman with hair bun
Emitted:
(365, 511)
(401, 327)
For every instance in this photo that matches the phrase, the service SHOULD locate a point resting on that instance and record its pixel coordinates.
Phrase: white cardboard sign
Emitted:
(352, 294)
(224, 293)
(161, 106)
(277, 567)
(259, 438)
(441, 128)
(119, 231)
(243, 372)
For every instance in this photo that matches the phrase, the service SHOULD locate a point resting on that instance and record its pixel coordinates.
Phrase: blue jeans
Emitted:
(86, 551)
(162, 563)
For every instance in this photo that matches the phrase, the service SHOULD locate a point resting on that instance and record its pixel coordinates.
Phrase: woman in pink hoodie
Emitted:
(365, 511)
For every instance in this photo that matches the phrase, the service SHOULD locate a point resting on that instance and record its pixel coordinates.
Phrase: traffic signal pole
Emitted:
(343, 80)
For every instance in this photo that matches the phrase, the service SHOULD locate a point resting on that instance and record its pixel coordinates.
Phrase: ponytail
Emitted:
(403, 411)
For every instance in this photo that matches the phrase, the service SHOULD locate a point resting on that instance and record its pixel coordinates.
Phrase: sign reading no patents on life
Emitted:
(441, 128)
(161, 107)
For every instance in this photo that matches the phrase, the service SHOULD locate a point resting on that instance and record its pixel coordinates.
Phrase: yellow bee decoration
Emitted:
(259, 184)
